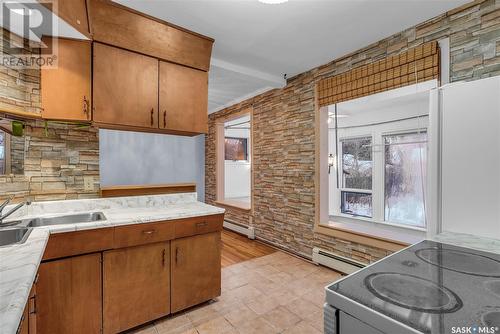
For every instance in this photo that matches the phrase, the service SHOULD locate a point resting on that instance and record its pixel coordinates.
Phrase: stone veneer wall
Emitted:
(56, 156)
(56, 159)
(284, 133)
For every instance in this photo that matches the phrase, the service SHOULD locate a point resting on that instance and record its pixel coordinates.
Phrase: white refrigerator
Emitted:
(464, 159)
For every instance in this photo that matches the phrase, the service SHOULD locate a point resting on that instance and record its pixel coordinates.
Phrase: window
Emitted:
(404, 178)
(356, 185)
(382, 174)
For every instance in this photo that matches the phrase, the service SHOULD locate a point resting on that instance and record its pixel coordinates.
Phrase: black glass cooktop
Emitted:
(431, 287)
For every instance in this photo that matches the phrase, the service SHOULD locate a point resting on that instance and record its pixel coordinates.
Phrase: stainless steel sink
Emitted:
(77, 218)
(66, 219)
(14, 235)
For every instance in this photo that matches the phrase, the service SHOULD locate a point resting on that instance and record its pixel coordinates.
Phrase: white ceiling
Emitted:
(256, 44)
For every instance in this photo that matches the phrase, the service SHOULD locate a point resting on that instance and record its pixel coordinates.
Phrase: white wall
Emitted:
(237, 173)
(145, 158)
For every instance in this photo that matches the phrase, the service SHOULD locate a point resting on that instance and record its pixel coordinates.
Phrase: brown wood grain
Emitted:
(125, 87)
(417, 64)
(183, 98)
(120, 26)
(78, 242)
(147, 189)
(69, 298)
(196, 270)
(136, 286)
(74, 12)
(140, 234)
(198, 225)
(73, 77)
(238, 248)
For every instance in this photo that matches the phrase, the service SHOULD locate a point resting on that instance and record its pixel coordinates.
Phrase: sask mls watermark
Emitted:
(24, 24)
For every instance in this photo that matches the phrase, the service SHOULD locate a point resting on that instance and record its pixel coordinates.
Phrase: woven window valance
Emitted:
(418, 64)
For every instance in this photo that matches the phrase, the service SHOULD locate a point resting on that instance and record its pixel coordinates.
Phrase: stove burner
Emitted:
(412, 292)
(461, 262)
(493, 286)
(491, 318)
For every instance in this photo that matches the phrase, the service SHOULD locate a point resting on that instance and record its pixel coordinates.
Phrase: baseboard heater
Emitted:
(249, 231)
(336, 262)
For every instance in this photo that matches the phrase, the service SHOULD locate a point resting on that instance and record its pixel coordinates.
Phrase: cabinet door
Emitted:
(196, 270)
(136, 286)
(32, 309)
(69, 298)
(125, 88)
(183, 98)
(66, 89)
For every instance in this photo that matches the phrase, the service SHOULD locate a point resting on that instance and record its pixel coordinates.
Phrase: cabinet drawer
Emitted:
(140, 234)
(77, 243)
(198, 225)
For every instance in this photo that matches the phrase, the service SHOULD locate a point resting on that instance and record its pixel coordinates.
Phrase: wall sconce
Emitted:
(331, 162)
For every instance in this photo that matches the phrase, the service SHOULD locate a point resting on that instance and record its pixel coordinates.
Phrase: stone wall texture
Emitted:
(19, 89)
(56, 156)
(56, 159)
(284, 133)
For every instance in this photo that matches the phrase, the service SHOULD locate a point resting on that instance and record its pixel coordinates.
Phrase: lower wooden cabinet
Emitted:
(136, 285)
(69, 297)
(28, 321)
(196, 270)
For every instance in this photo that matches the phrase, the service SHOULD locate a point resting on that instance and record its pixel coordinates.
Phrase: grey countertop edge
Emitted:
(19, 262)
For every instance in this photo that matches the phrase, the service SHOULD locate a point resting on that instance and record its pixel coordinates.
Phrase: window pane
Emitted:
(358, 204)
(357, 163)
(405, 170)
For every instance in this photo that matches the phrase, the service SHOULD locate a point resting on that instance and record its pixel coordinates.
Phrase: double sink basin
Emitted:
(19, 230)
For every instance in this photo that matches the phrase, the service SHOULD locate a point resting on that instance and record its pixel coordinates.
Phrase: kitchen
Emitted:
(160, 177)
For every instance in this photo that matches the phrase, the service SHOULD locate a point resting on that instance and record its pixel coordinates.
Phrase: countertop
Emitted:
(469, 241)
(19, 263)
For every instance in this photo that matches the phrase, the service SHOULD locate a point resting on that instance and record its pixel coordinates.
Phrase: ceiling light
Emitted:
(273, 2)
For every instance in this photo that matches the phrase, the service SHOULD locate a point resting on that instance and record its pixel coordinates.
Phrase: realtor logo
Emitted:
(24, 24)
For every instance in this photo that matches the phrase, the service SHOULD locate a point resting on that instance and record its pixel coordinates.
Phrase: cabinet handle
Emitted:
(202, 224)
(152, 112)
(176, 255)
(149, 232)
(32, 307)
(163, 258)
(164, 118)
(85, 105)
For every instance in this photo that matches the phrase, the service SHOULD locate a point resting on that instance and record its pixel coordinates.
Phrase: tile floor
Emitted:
(276, 293)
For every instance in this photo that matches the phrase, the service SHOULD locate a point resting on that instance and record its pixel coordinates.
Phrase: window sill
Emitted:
(234, 204)
(385, 232)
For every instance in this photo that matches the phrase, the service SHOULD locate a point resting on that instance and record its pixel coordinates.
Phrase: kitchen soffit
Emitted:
(256, 43)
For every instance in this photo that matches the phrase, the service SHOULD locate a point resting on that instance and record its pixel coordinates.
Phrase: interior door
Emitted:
(68, 295)
(470, 157)
(136, 286)
(125, 87)
(183, 98)
(196, 270)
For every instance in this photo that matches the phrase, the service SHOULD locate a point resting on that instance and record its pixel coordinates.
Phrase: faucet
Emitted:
(11, 211)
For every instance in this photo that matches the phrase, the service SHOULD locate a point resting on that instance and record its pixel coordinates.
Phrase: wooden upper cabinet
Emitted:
(118, 25)
(136, 286)
(68, 296)
(125, 87)
(74, 12)
(183, 98)
(196, 270)
(66, 90)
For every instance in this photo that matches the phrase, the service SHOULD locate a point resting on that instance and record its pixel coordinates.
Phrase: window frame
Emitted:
(377, 134)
